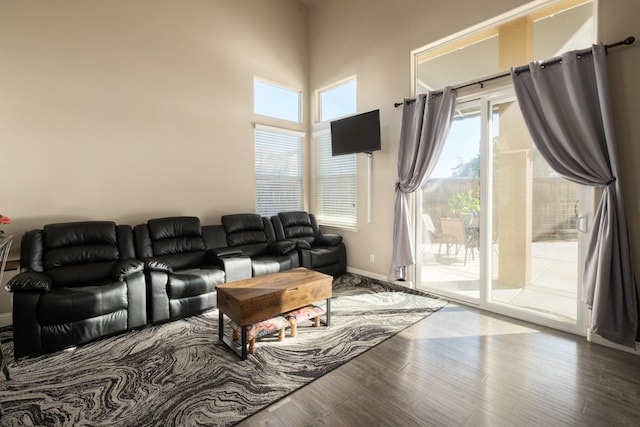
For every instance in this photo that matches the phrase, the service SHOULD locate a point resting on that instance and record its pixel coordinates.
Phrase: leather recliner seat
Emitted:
(254, 236)
(325, 253)
(79, 281)
(181, 274)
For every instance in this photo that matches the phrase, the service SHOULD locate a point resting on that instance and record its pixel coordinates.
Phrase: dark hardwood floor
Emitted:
(465, 367)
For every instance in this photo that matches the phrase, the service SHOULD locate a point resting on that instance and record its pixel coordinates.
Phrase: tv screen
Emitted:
(356, 134)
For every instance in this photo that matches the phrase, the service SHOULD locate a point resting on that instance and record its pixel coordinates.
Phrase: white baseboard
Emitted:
(366, 274)
(376, 276)
(5, 320)
(597, 339)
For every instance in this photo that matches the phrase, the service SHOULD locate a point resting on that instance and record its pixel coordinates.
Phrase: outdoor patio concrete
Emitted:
(552, 290)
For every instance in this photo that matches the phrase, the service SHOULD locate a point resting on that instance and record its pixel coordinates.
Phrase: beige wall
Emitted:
(618, 19)
(127, 110)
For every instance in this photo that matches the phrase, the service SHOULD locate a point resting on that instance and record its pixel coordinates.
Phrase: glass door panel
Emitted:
(450, 212)
(534, 238)
(498, 227)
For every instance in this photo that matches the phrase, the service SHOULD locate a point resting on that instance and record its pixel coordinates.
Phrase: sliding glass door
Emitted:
(450, 217)
(499, 227)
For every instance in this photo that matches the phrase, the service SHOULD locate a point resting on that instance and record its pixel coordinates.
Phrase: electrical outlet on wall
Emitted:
(372, 258)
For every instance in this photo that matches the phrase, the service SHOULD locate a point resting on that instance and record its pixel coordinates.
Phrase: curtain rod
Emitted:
(629, 40)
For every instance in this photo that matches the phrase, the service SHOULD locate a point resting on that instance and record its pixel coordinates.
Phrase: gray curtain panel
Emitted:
(424, 129)
(567, 110)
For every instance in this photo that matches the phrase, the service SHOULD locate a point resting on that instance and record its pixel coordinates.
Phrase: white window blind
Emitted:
(278, 166)
(335, 185)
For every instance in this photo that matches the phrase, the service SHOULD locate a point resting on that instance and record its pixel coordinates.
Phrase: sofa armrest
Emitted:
(281, 247)
(224, 252)
(217, 256)
(156, 264)
(30, 282)
(236, 268)
(303, 244)
(327, 240)
(27, 331)
(233, 262)
(125, 268)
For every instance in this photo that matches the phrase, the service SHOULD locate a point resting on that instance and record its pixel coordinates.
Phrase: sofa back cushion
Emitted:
(177, 240)
(298, 225)
(79, 253)
(248, 232)
(214, 236)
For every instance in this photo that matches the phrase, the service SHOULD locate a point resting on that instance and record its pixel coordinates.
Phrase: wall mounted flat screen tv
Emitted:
(356, 134)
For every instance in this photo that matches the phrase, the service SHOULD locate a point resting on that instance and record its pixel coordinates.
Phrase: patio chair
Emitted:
(454, 235)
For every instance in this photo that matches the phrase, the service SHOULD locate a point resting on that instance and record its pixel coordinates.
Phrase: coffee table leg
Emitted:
(242, 353)
(243, 339)
(220, 325)
(328, 311)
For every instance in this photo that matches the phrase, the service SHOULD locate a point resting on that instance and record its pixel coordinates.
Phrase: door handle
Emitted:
(582, 224)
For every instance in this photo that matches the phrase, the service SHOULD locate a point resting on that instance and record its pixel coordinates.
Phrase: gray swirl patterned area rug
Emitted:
(178, 374)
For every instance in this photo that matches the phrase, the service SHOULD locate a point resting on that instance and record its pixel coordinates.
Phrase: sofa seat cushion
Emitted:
(193, 282)
(67, 305)
(262, 265)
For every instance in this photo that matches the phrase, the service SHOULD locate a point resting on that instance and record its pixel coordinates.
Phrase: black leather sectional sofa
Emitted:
(85, 280)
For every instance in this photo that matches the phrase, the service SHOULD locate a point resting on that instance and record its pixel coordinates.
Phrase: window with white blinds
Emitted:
(335, 185)
(278, 166)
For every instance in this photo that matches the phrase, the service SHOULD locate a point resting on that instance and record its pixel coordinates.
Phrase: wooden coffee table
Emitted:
(260, 298)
